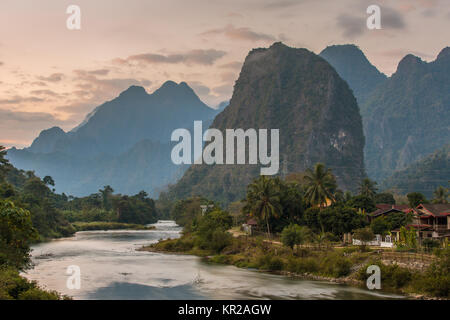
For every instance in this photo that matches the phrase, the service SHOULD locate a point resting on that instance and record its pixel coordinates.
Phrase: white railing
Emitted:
(377, 242)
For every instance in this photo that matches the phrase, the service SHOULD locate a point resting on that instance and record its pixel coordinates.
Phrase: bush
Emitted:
(294, 234)
(430, 244)
(270, 262)
(13, 286)
(336, 266)
(220, 239)
(392, 276)
(303, 265)
(436, 280)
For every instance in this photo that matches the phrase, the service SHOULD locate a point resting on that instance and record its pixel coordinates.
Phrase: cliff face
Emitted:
(407, 117)
(300, 94)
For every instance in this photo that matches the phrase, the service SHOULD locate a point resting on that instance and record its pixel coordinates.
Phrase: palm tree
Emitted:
(263, 200)
(368, 188)
(320, 185)
(440, 195)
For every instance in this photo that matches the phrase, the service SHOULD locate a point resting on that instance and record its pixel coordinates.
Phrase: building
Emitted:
(433, 220)
(430, 221)
(384, 209)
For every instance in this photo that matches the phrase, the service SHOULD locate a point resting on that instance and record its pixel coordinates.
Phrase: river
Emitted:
(111, 268)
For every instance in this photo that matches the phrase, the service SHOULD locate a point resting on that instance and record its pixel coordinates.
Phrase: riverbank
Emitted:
(105, 226)
(346, 265)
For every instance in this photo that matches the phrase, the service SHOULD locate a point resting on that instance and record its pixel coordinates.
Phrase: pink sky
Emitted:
(53, 76)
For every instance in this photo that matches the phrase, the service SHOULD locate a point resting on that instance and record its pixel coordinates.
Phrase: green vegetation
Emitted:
(30, 211)
(294, 235)
(320, 185)
(424, 176)
(304, 219)
(435, 281)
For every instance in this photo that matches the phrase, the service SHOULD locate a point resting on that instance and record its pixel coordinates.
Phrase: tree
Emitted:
(106, 195)
(16, 234)
(384, 197)
(380, 225)
(36, 187)
(416, 198)
(294, 234)
(440, 195)
(263, 200)
(368, 188)
(49, 181)
(4, 163)
(364, 235)
(320, 185)
(362, 202)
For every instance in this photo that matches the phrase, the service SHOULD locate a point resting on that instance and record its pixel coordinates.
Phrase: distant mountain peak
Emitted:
(172, 89)
(47, 140)
(408, 62)
(134, 91)
(52, 130)
(353, 66)
(444, 54)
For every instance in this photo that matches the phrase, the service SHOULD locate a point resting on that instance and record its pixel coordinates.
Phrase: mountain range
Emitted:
(317, 102)
(124, 142)
(406, 116)
(299, 93)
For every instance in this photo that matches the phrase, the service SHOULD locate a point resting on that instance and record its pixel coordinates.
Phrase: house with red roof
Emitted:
(436, 217)
(384, 209)
(429, 220)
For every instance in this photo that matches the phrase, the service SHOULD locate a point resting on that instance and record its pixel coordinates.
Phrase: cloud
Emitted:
(228, 76)
(55, 77)
(197, 56)
(355, 25)
(99, 72)
(396, 53)
(390, 18)
(25, 117)
(234, 65)
(19, 99)
(352, 26)
(281, 4)
(225, 90)
(199, 88)
(242, 33)
(19, 128)
(44, 92)
(39, 84)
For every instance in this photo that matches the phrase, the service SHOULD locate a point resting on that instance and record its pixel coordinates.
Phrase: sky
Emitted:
(53, 76)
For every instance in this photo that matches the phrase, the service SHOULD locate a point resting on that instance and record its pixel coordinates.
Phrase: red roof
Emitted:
(435, 210)
(384, 208)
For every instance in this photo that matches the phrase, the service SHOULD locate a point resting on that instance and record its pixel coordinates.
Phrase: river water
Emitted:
(111, 268)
